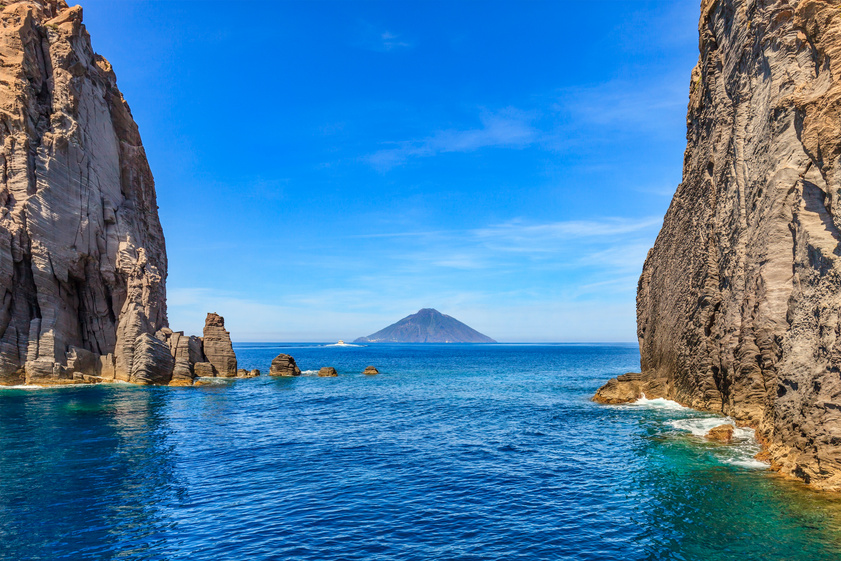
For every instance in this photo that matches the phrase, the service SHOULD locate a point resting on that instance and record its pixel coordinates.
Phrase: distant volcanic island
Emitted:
(427, 326)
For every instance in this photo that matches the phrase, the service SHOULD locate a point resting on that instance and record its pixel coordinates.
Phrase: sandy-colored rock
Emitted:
(218, 347)
(721, 433)
(739, 301)
(203, 370)
(254, 373)
(82, 255)
(327, 372)
(284, 365)
(622, 389)
(370, 370)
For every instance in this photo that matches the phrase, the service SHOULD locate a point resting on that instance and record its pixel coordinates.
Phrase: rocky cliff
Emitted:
(82, 255)
(739, 302)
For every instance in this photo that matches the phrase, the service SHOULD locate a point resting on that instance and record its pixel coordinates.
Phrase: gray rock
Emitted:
(739, 300)
(153, 362)
(182, 373)
(82, 254)
(284, 365)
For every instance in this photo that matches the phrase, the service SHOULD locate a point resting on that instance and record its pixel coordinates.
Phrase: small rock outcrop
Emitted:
(218, 347)
(284, 365)
(721, 433)
(327, 372)
(739, 301)
(370, 371)
(626, 388)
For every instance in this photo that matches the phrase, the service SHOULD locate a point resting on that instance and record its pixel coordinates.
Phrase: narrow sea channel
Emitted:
(452, 452)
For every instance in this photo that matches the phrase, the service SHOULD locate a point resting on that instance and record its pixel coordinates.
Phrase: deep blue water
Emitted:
(452, 452)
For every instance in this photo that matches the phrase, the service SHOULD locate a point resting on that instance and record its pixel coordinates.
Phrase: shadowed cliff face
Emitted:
(82, 256)
(739, 301)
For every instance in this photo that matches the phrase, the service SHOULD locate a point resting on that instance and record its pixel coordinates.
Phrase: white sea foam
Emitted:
(747, 463)
(658, 403)
(309, 372)
(699, 426)
(22, 387)
(739, 453)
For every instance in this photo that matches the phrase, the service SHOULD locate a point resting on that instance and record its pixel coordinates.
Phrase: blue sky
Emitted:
(324, 169)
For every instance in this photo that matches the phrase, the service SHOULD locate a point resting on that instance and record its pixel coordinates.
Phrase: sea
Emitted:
(468, 452)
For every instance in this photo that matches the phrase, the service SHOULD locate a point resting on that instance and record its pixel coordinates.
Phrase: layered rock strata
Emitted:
(82, 255)
(739, 302)
(284, 365)
(218, 348)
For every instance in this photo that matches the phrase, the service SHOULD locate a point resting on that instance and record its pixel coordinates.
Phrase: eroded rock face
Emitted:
(739, 301)
(153, 362)
(370, 371)
(284, 365)
(218, 347)
(82, 256)
(327, 372)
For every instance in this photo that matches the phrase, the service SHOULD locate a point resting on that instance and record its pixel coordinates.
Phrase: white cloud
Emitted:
(508, 128)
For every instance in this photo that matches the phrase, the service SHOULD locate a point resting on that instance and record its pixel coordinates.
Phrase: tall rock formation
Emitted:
(218, 347)
(739, 303)
(82, 256)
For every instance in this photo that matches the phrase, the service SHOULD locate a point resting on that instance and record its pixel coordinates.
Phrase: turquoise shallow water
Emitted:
(453, 452)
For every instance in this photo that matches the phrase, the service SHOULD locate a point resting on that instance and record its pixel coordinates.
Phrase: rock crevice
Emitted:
(739, 300)
(82, 254)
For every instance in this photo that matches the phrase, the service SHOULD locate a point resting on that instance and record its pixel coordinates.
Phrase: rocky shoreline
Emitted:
(739, 299)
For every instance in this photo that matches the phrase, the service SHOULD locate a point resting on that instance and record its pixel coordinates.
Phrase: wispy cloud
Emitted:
(562, 120)
(509, 128)
(390, 41)
(520, 236)
(372, 38)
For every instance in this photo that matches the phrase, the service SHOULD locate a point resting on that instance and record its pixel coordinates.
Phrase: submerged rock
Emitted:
(327, 372)
(284, 365)
(721, 433)
(739, 299)
(370, 370)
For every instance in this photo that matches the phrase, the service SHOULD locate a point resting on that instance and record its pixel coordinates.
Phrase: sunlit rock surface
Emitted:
(739, 301)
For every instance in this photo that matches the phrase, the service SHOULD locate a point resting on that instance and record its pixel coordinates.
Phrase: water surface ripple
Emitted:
(452, 452)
